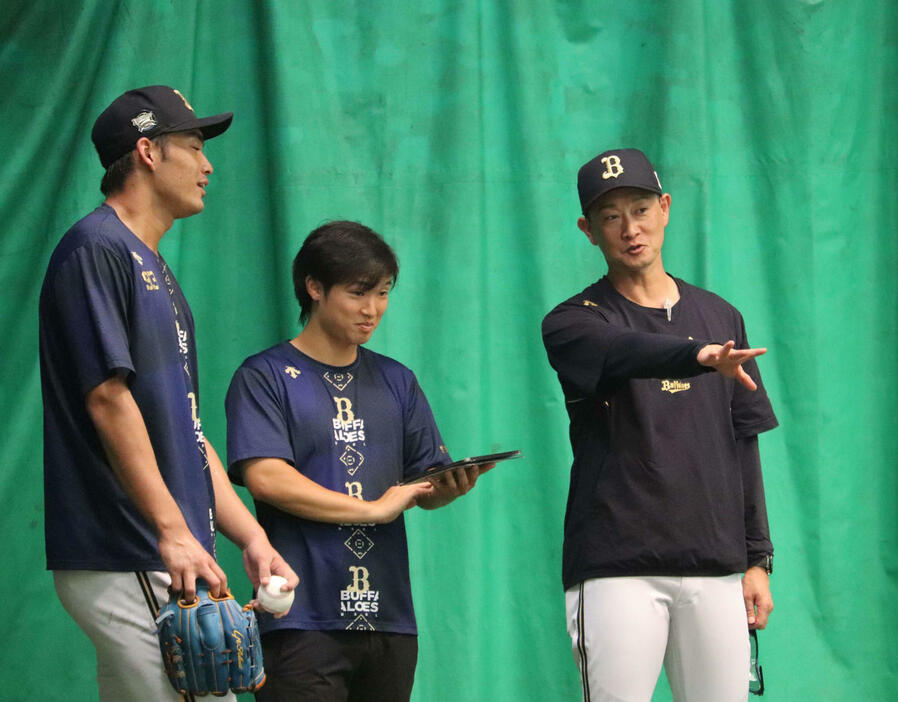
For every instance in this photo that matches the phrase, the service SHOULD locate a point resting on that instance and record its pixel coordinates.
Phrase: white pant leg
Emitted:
(111, 608)
(708, 654)
(618, 629)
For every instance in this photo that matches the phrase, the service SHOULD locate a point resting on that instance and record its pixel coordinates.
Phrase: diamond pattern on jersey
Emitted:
(360, 623)
(359, 543)
(338, 380)
(352, 459)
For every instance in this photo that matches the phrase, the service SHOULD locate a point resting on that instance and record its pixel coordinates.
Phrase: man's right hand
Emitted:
(126, 442)
(396, 500)
(727, 360)
(186, 560)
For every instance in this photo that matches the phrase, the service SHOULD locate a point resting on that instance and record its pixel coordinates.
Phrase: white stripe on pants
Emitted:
(112, 609)
(623, 629)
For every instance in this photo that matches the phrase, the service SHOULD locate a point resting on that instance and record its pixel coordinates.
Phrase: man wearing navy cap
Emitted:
(667, 550)
(133, 490)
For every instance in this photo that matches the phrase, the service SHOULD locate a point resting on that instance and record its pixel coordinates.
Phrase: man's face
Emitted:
(348, 313)
(182, 174)
(627, 224)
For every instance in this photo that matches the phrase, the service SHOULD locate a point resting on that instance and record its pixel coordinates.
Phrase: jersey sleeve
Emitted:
(757, 529)
(752, 411)
(257, 425)
(751, 415)
(422, 444)
(589, 353)
(92, 292)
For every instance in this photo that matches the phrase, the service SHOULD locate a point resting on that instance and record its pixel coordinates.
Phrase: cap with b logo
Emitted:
(148, 112)
(618, 168)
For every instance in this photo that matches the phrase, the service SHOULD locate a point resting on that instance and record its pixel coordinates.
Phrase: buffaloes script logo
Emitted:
(674, 386)
(144, 122)
(613, 168)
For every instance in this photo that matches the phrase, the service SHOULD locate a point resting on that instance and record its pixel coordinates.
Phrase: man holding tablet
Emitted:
(322, 432)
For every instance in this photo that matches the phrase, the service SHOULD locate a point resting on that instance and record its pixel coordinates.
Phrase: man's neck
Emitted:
(136, 212)
(650, 288)
(315, 343)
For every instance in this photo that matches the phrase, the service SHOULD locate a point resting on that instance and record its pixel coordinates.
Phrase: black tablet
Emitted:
(434, 471)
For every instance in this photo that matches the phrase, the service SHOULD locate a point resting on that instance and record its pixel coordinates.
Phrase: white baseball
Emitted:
(272, 599)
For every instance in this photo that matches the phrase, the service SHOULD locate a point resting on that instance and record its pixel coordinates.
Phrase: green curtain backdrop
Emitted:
(456, 129)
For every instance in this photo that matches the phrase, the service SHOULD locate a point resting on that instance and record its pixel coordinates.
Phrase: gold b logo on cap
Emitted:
(186, 104)
(612, 167)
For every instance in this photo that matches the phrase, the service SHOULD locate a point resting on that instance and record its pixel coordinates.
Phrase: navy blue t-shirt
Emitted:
(657, 487)
(358, 430)
(109, 305)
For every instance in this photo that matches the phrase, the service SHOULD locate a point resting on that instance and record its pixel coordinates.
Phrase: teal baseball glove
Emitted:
(210, 645)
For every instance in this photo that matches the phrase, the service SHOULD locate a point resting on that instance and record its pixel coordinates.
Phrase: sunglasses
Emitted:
(755, 672)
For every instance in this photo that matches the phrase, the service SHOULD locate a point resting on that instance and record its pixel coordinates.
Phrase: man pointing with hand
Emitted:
(666, 549)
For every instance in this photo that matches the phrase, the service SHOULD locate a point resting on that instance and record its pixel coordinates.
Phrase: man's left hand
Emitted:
(261, 561)
(757, 597)
(453, 484)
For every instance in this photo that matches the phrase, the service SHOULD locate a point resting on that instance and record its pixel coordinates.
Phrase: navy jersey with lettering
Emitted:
(358, 430)
(656, 484)
(110, 306)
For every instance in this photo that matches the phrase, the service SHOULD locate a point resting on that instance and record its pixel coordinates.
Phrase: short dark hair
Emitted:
(119, 170)
(341, 252)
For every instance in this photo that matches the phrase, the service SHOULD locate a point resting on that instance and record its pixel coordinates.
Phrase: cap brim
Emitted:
(209, 126)
(213, 126)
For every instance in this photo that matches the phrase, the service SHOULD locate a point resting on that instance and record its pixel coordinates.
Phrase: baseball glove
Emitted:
(211, 645)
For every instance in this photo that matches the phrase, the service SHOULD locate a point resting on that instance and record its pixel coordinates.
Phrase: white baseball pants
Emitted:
(624, 629)
(117, 611)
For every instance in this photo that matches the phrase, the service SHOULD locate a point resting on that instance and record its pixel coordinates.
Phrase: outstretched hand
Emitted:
(727, 360)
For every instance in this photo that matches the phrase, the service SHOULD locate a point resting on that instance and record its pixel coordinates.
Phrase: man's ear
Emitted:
(146, 153)
(583, 225)
(664, 202)
(314, 288)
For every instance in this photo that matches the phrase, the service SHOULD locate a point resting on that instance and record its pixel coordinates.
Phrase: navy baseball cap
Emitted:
(618, 168)
(148, 112)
